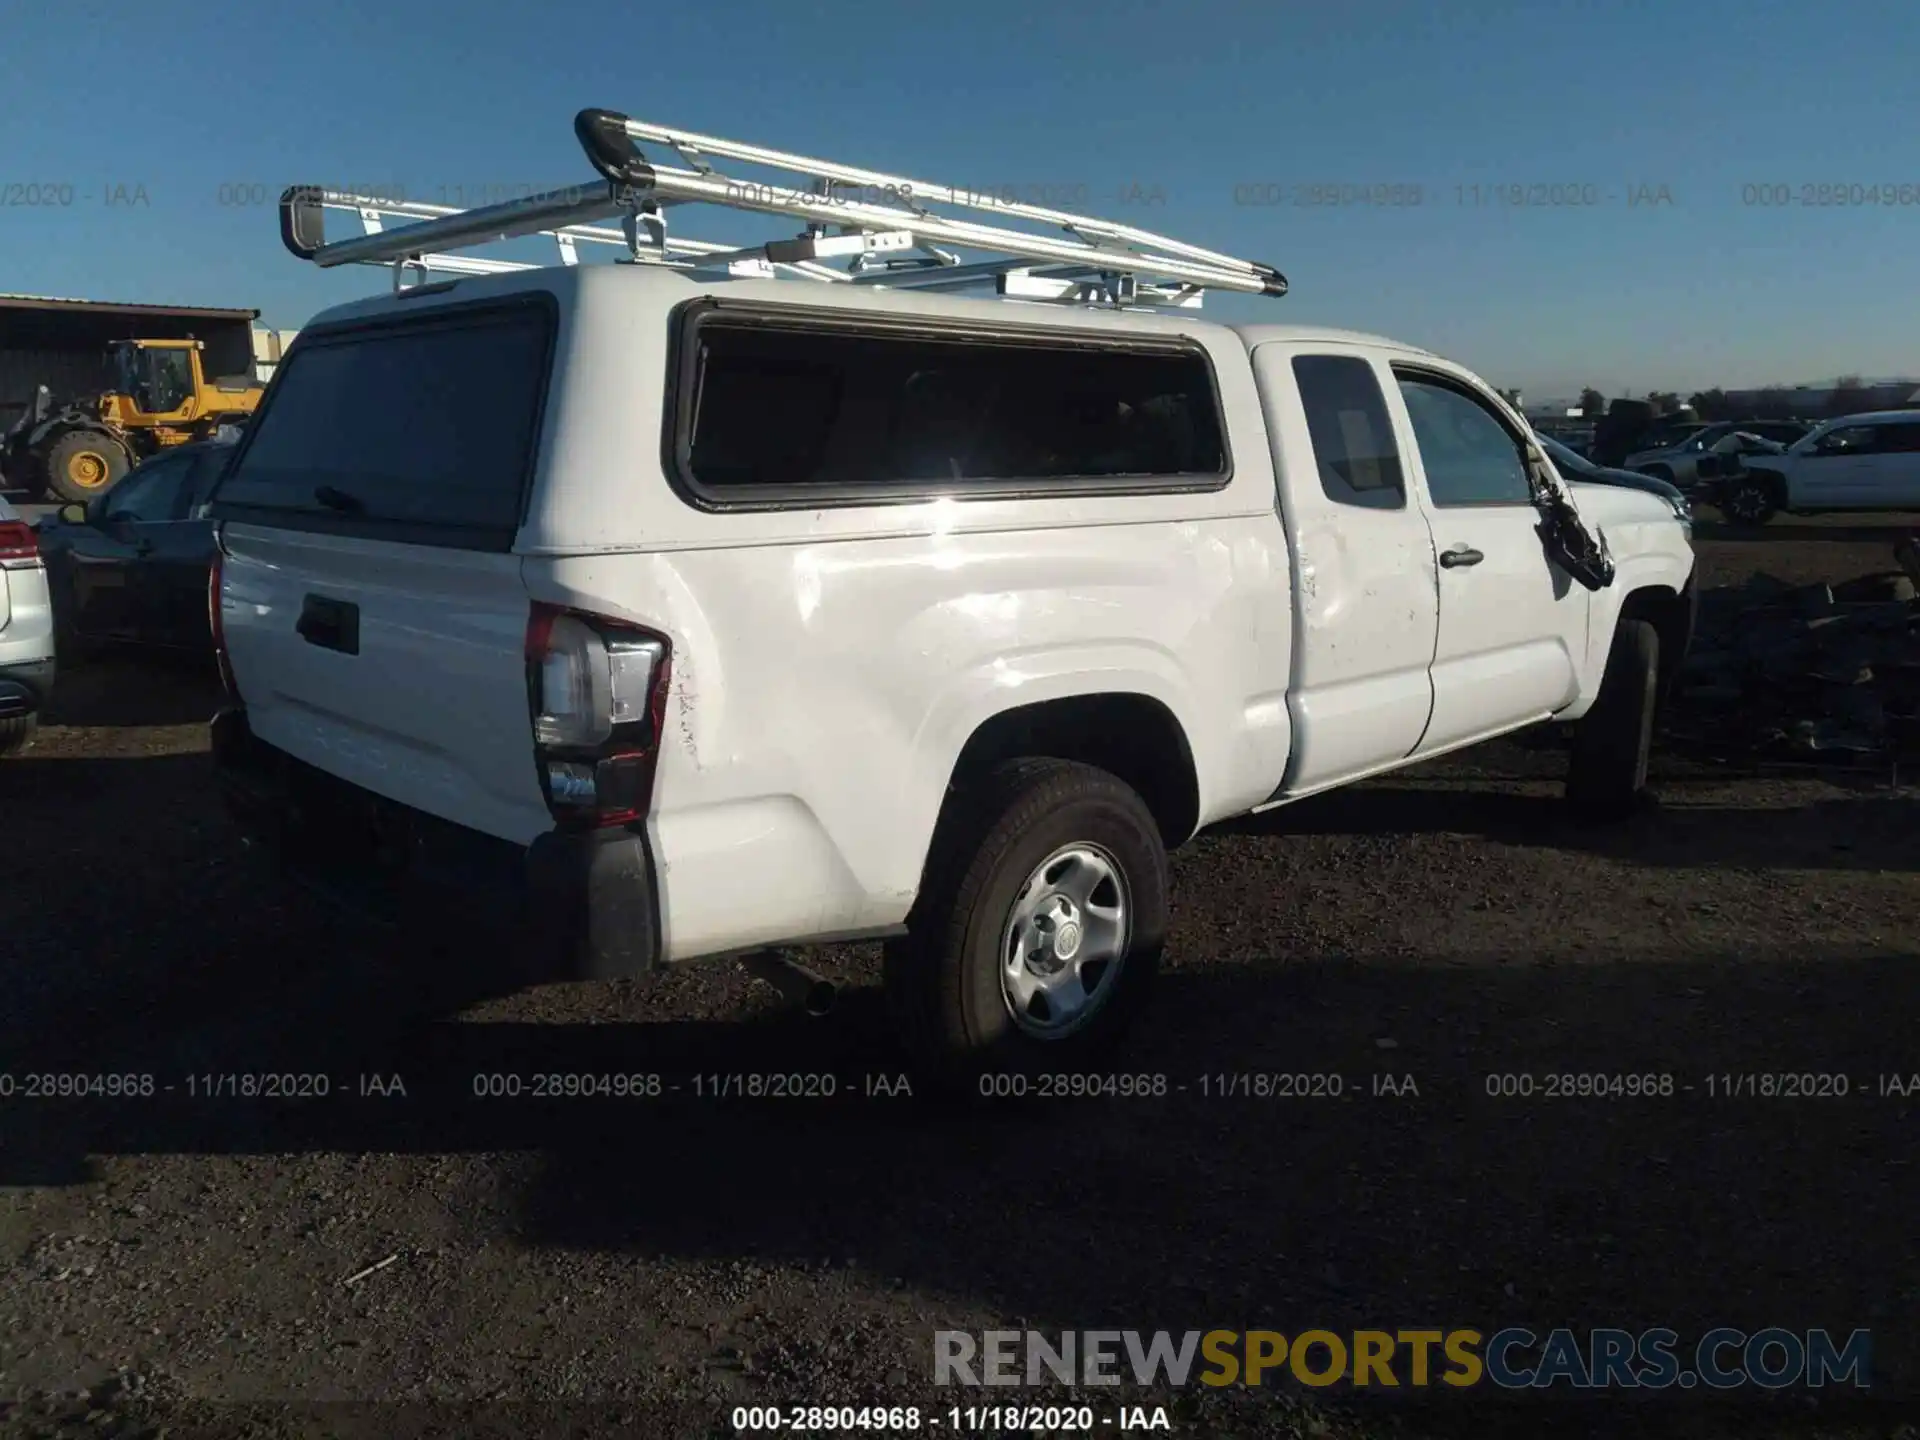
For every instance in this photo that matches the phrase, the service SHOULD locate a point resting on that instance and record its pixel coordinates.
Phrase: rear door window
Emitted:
(421, 431)
(1353, 444)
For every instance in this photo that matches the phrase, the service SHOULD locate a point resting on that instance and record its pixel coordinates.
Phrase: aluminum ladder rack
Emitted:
(885, 230)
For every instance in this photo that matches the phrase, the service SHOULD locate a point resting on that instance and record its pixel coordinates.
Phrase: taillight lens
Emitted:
(215, 628)
(18, 543)
(597, 690)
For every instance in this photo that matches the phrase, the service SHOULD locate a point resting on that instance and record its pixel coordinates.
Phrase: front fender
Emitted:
(1666, 569)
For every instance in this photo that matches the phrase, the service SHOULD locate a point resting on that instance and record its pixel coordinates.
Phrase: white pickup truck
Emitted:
(639, 616)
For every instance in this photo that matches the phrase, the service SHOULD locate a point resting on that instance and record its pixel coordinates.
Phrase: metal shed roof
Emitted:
(121, 307)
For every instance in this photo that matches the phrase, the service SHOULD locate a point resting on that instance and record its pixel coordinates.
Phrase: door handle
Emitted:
(330, 624)
(1460, 555)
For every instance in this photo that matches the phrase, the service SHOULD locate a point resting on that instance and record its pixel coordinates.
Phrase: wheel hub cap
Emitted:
(1065, 941)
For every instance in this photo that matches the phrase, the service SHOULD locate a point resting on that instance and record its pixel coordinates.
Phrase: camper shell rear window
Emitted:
(421, 430)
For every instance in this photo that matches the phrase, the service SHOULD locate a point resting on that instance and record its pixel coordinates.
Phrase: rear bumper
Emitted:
(573, 905)
(24, 687)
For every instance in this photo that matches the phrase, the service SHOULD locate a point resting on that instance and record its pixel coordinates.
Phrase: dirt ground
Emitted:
(643, 1266)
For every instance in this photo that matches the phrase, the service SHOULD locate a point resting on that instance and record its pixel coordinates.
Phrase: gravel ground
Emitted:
(643, 1266)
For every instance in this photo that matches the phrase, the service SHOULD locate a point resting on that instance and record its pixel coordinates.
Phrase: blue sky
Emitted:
(191, 119)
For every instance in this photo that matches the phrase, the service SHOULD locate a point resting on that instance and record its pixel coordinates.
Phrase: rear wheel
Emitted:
(15, 733)
(1038, 929)
(82, 463)
(1607, 776)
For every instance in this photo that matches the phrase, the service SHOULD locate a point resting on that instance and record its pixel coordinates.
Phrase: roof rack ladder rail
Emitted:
(827, 170)
(1241, 276)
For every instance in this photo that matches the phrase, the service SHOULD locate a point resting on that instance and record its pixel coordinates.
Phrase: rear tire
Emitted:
(1607, 777)
(1037, 860)
(82, 464)
(16, 733)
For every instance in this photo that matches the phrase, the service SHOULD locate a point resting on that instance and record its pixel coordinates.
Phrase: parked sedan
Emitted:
(131, 565)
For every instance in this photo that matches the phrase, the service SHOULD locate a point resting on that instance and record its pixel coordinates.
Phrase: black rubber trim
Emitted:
(610, 149)
(303, 225)
(601, 881)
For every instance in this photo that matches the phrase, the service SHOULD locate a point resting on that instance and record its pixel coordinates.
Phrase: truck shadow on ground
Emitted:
(1877, 830)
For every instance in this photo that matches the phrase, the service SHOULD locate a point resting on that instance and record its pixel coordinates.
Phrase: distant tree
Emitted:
(1664, 402)
(1712, 404)
(1592, 403)
(1850, 396)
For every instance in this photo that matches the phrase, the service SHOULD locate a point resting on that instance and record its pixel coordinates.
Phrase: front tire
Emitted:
(1749, 502)
(1607, 776)
(1039, 925)
(83, 463)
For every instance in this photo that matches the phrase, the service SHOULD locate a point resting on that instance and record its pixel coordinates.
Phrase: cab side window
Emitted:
(1470, 458)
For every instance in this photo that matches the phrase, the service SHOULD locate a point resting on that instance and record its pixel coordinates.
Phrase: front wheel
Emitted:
(1607, 776)
(1749, 502)
(83, 463)
(1038, 928)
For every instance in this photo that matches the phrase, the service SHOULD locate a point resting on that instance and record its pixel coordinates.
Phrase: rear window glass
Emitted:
(789, 409)
(422, 427)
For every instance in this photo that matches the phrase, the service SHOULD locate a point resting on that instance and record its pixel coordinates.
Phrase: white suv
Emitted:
(26, 631)
(1857, 462)
(635, 616)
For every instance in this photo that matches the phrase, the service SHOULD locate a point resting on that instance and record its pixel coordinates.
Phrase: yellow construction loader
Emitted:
(161, 397)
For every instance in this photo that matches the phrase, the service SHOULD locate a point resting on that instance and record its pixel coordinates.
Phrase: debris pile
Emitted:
(1809, 672)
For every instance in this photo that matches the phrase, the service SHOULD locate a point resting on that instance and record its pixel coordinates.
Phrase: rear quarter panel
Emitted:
(829, 664)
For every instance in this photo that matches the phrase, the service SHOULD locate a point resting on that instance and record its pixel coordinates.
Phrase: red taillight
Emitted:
(18, 541)
(597, 693)
(215, 628)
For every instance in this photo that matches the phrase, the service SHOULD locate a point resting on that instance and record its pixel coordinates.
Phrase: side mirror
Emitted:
(73, 514)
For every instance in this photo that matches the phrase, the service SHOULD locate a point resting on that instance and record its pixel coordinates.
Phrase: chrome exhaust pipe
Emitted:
(800, 986)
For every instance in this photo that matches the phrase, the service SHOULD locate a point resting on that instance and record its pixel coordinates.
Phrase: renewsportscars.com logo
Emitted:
(1514, 1358)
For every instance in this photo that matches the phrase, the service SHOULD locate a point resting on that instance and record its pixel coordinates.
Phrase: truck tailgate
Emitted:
(408, 677)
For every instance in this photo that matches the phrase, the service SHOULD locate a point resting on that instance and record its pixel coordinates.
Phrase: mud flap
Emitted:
(1572, 544)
